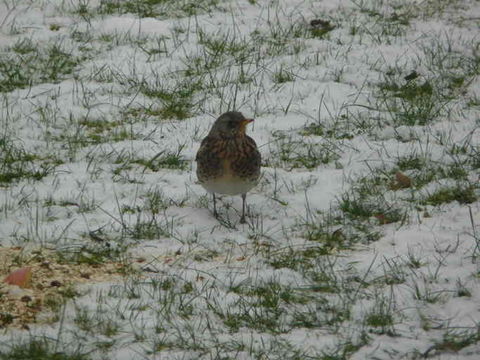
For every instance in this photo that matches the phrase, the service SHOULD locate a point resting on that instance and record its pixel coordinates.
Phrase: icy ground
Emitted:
(363, 237)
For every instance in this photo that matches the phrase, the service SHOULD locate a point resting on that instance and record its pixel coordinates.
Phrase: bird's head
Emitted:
(230, 124)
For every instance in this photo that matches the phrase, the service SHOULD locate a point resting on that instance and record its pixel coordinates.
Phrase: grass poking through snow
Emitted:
(362, 237)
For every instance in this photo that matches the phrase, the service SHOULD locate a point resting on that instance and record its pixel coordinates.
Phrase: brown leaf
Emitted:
(403, 180)
(382, 219)
(21, 277)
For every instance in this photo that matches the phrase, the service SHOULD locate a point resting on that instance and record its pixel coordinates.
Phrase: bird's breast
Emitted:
(228, 185)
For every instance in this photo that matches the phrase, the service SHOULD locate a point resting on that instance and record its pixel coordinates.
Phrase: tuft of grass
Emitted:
(27, 64)
(151, 229)
(40, 349)
(157, 8)
(282, 76)
(16, 164)
(290, 152)
(422, 170)
(219, 47)
(101, 131)
(299, 259)
(164, 160)
(412, 103)
(315, 129)
(462, 194)
(95, 323)
(177, 102)
(343, 127)
(320, 28)
(364, 203)
(271, 294)
(93, 254)
(455, 340)
(380, 318)
(419, 100)
(152, 225)
(412, 162)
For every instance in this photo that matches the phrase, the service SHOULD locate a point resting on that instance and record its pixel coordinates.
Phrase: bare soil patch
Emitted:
(52, 282)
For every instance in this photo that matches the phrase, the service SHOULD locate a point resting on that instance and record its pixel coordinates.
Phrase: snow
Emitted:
(334, 85)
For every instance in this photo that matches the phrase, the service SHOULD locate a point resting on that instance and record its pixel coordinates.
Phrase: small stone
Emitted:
(56, 283)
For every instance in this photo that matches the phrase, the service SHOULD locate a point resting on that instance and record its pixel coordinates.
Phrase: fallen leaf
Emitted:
(21, 277)
(403, 180)
(381, 218)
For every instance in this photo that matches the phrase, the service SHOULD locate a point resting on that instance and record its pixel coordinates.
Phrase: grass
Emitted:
(462, 194)
(369, 199)
(40, 349)
(417, 99)
(290, 152)
(411, 103)
(333, 92)
(168, 160)
(176, 102)
(157, 8)
(164, 159)
(454, 340)
(100, 131)
(16, 164)
(282, 76)
(26, 64)
(91, 255)
(380, 319)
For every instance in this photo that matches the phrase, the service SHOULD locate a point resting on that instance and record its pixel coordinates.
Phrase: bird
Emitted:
(228, 160)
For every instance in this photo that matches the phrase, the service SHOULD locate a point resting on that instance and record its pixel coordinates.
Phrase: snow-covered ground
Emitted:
(363, 236)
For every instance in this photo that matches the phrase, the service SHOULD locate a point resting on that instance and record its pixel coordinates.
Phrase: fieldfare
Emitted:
(228, 161)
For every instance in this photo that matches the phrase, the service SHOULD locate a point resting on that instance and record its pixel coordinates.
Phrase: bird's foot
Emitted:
(242, 220)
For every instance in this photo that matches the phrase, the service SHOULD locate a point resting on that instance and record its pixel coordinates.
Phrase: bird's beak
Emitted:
(244, 124)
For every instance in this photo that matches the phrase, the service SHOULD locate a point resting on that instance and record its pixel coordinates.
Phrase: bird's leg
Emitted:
(242, 219)
(214, 206)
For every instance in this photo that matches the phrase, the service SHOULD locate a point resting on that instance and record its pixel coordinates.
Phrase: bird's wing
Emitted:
(209, 159)
(248, 159)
